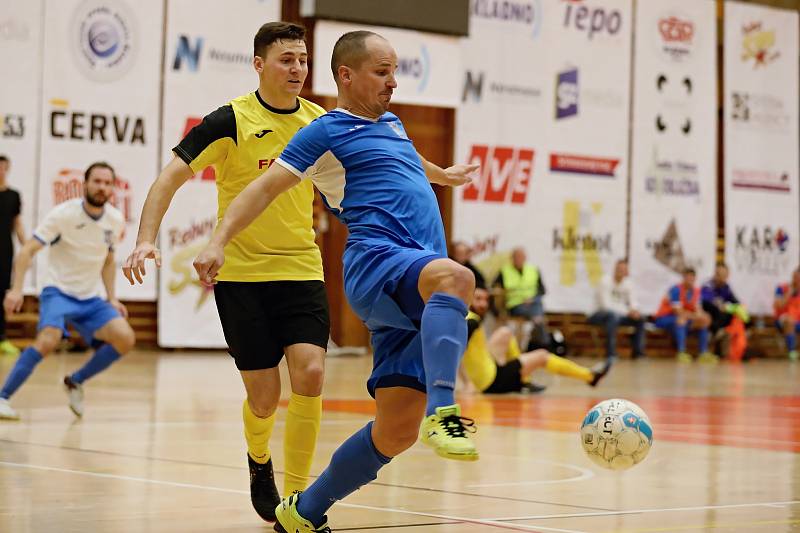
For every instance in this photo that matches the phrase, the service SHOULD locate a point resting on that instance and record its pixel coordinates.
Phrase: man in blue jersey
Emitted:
(397, 274)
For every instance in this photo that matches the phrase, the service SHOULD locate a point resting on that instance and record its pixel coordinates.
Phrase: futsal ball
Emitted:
(616, 434)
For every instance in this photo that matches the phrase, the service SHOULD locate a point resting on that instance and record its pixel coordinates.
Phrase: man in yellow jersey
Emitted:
(480, 362)
(270, 295)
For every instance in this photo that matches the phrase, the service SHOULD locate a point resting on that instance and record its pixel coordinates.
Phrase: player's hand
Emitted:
(12, 303)
(120, 307)
(458, 175)
(208, 262)
(133, 267)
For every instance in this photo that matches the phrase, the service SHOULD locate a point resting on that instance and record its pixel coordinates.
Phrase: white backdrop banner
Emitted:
(762, 211)
(100, 102)
(20, 53)
(428, 65)
(207, 63)
(674, 147)
(550, 127)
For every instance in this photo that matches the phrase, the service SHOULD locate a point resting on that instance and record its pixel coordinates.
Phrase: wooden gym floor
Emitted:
(160, 449)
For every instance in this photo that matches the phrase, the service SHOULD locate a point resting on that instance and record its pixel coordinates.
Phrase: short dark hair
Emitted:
(622, 260)
(722, 264)
(98, 164)
(689, 270)
(270, 32)
(3, 159)
(349, 50)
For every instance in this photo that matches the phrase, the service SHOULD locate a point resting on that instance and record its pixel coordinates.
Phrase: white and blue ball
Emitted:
(616, 434)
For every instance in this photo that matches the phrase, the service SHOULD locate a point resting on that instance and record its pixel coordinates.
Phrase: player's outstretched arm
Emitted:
(22, 262)
(454, 176)
(175, 174)
(242, 211)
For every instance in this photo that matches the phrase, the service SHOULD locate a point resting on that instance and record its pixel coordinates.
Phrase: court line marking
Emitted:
(646, 511)
(584, 474)
(712, 525)
(457, 519)
(240, 468)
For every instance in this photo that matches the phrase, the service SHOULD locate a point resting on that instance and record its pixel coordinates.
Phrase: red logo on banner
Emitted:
(578, 164)
(208, 174)
(69, 184)
(673, 29)
(505, 174)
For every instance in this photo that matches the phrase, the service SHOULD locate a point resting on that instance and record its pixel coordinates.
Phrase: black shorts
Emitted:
(260, 318)
(508, 378)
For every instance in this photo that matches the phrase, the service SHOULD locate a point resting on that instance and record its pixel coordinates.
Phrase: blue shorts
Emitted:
(381, 286)
(57, 309)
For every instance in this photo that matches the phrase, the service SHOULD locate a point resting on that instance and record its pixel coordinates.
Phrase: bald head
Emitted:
(350, 50)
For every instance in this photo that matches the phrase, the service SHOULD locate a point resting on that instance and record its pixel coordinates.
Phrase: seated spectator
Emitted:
(728, 316)
(461, 253)
(787, 312)
(616, 306)
(497, 366)
(680, 312)
(523, 287)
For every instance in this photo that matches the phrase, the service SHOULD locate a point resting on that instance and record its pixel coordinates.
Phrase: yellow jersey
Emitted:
(479, 365)
(241, 140)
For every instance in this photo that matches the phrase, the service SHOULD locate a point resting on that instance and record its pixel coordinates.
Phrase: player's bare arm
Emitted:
(22, 262)
(454, 176)
(19, 229)
(175, 174)
(242, 211)
(109, 275)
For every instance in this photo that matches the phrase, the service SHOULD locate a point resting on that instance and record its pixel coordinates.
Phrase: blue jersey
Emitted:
(370, 177)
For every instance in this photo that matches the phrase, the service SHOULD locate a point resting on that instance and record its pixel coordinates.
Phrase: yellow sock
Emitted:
(565, 367)
(300, 440)
(257, 432)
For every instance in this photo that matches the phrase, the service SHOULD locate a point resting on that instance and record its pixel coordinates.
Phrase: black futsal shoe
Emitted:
(263, 492)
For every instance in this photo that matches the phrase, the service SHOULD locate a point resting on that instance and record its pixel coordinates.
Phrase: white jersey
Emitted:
(79, 245)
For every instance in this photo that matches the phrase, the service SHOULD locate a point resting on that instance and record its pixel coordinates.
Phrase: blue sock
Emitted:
(27, 361)
(702, 339)
(680, 336)
(102, 359)
(791, 342)
(352, 466)
(443, 333)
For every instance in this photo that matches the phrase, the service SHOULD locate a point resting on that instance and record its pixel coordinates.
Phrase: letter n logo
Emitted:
(185, 52)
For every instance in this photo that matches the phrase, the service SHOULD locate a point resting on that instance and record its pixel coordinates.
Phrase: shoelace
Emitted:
(458, 426)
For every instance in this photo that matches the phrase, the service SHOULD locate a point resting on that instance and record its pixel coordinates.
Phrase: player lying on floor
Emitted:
(482, 359)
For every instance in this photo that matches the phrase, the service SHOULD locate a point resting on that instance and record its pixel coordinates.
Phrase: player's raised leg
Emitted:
(446, 288)
(357, 461)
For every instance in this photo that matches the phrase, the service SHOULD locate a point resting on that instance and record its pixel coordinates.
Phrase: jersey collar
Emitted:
(275, 109)
(346, 112)
(88, 214)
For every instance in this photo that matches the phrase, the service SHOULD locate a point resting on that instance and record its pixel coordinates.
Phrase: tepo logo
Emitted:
(505, 174)
(105, 39)
(594, 20)
(188, 53)
(417, 67)
(567, 94)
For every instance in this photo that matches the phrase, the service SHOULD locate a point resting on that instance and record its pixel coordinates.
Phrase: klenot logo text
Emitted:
(505, 174)
(575, 241)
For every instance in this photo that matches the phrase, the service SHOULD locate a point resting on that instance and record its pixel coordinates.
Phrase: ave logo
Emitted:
(505, 174)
